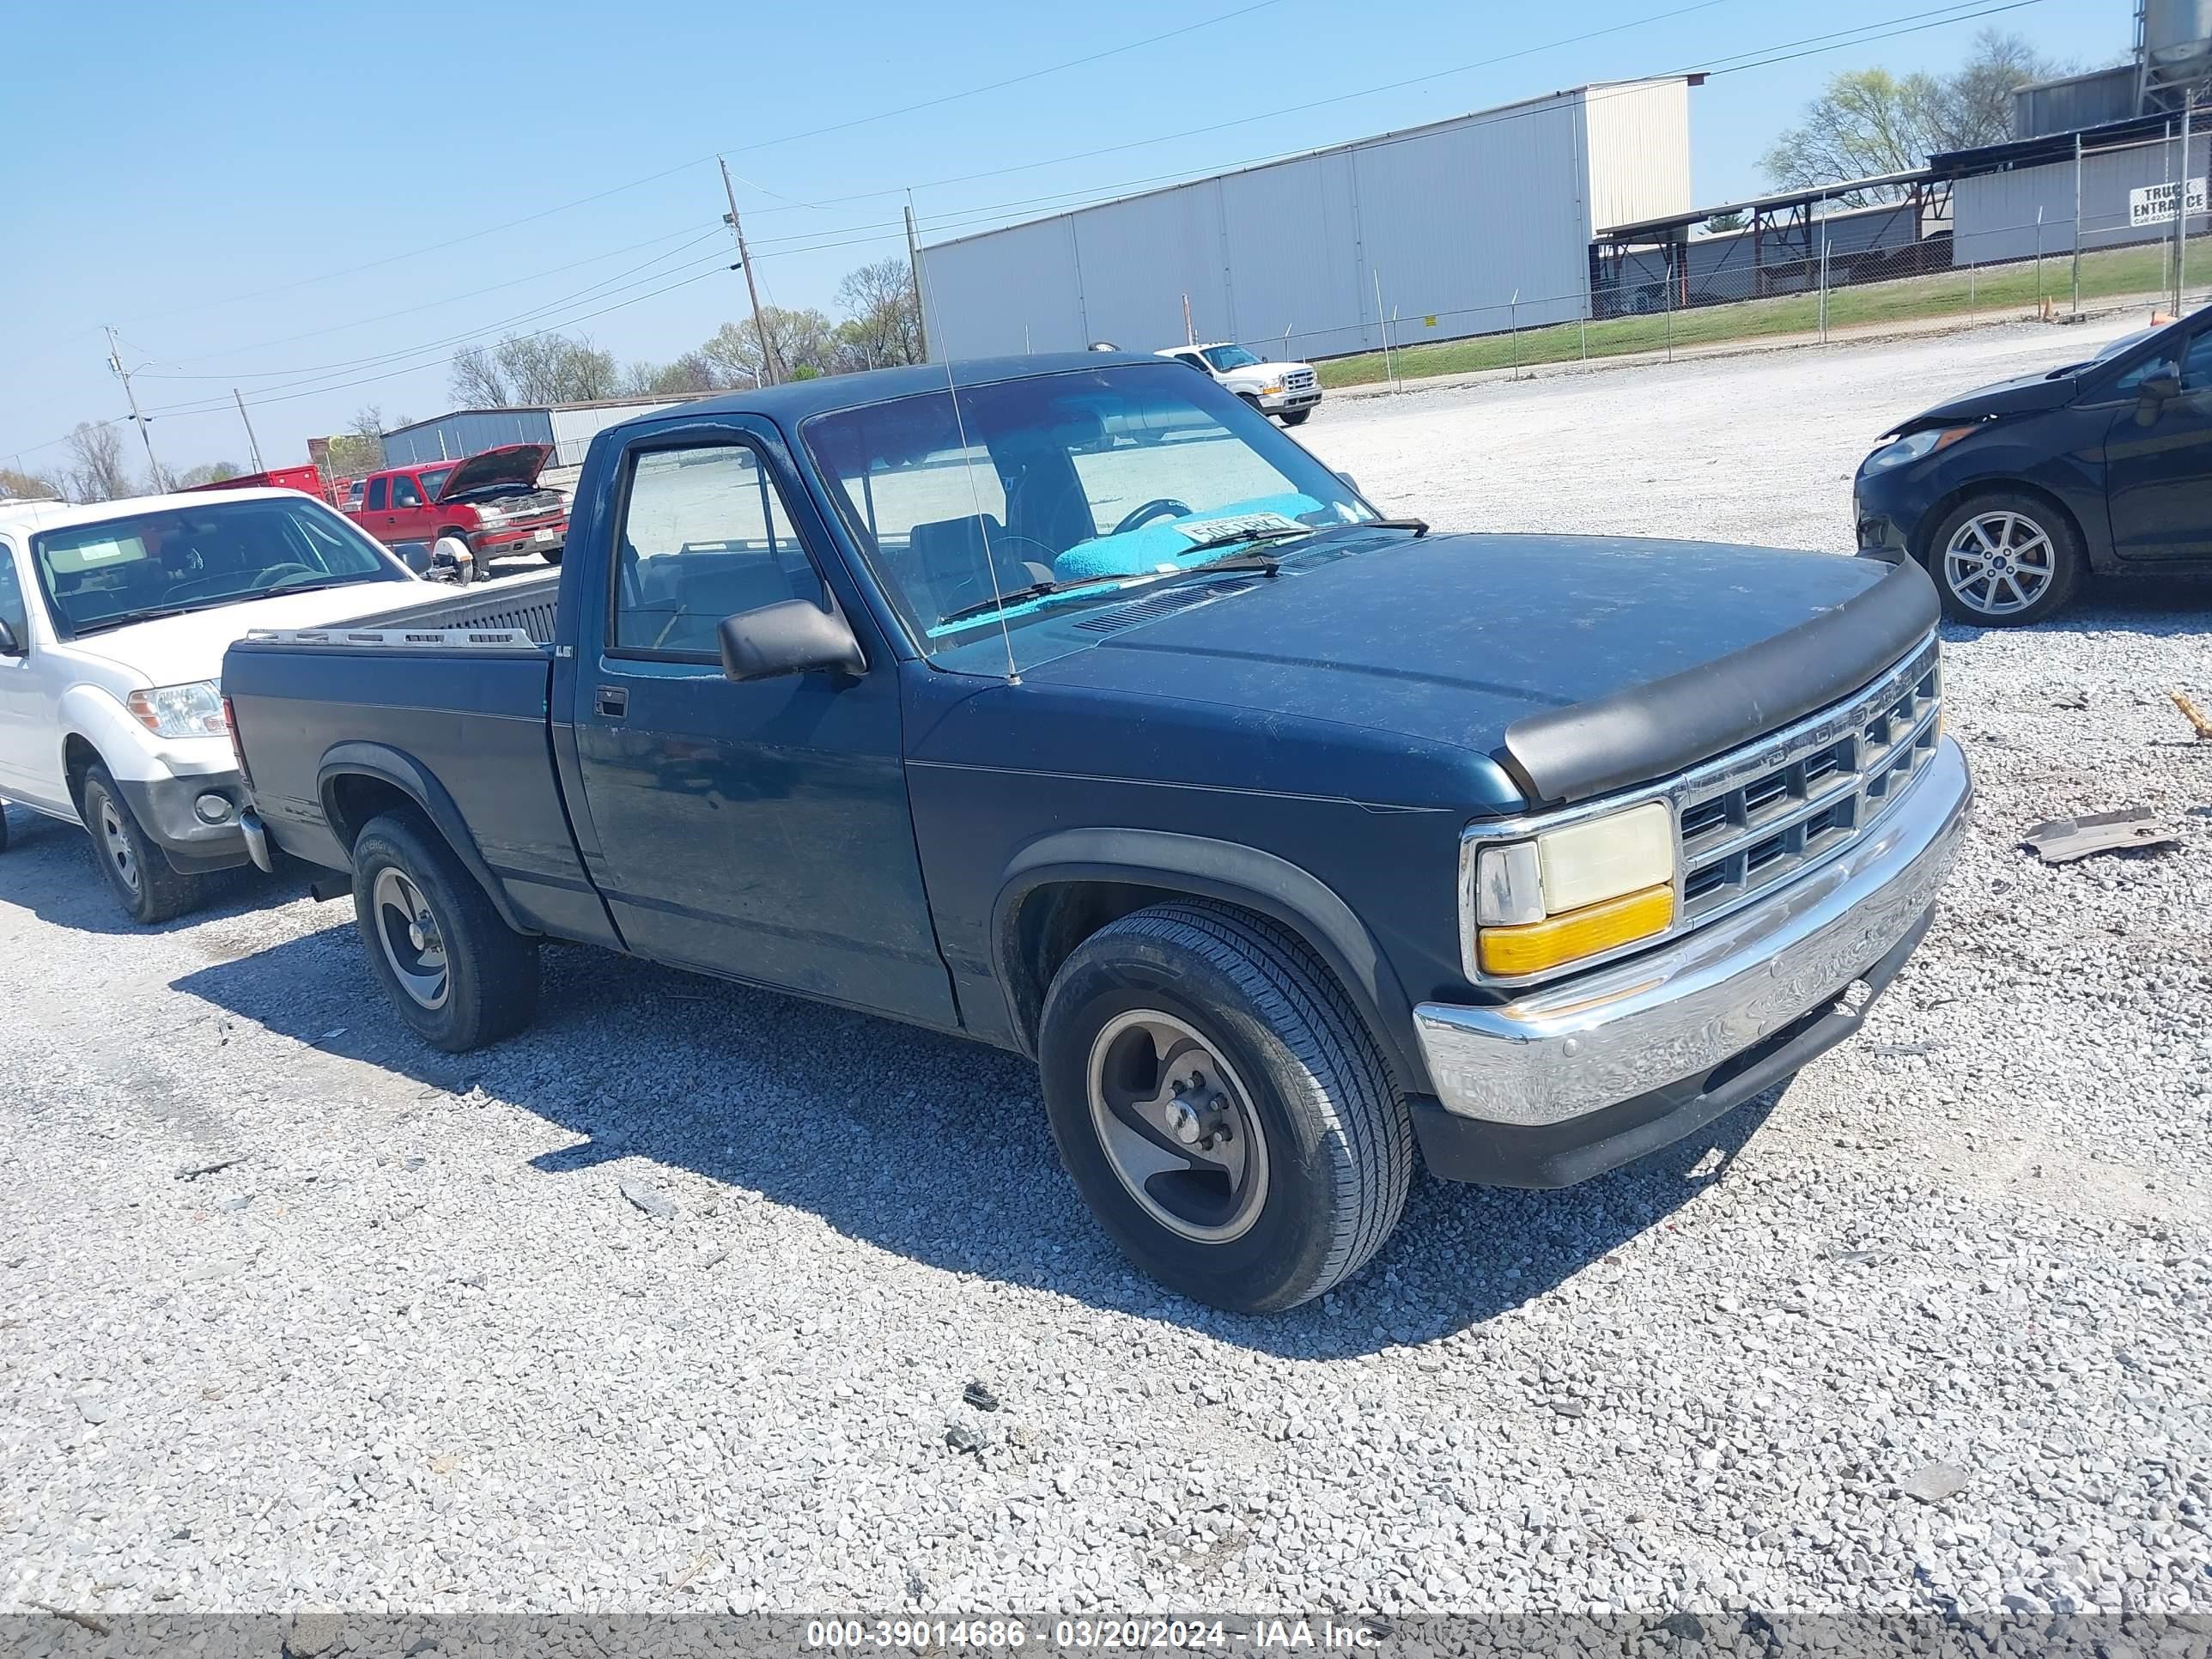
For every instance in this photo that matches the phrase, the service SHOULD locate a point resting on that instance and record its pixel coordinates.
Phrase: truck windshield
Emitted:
(1047, 493)
(1226, 357)
(192, 558)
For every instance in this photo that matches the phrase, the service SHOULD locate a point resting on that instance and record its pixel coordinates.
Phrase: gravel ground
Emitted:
(670, 1302)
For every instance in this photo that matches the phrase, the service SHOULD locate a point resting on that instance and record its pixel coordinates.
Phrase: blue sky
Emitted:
(253, 193)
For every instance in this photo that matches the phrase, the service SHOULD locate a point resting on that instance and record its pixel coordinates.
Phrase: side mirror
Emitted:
(10, 645)
(2161, 388)
(793, 636)
(1348, 482)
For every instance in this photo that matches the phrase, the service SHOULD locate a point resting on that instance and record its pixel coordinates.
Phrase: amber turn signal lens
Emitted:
(1510, 952)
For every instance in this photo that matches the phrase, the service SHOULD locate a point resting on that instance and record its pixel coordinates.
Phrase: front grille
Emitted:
(1755, 817)
(1298, 380)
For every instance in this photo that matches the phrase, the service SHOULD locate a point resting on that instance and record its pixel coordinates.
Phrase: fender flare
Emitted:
(1206, 868)
(421, 786)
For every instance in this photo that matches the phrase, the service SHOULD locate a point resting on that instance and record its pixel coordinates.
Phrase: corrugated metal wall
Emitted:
(452, 437)
(1637, 137)
(574, 428)
(1993, 215)
(1453, 219)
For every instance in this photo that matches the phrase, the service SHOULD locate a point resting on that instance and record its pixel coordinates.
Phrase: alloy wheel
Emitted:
(414, 946)
(1999, 564)
(1177, 1126)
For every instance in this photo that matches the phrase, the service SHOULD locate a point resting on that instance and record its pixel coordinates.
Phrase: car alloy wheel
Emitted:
(116, 841)
(1177, 1126)
(413, 943)
(1999, 563)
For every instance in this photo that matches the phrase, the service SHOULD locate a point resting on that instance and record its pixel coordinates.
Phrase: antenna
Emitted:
(934, 322)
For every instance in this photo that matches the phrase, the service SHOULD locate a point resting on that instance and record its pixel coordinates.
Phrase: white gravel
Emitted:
(1932, 1330)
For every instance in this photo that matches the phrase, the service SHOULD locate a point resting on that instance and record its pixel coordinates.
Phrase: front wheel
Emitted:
(2005, 559)
(552, 555)
(1221, 1108)
(138, 872)
(1295, 417)
(454, 970)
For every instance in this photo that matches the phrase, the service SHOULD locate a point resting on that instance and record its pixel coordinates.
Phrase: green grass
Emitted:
(2014, 287)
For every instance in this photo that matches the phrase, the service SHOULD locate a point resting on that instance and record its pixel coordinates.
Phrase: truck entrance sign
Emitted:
(2153, 203)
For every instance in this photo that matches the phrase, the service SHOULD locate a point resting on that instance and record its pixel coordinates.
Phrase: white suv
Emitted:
(1286, 390)
(113, 621)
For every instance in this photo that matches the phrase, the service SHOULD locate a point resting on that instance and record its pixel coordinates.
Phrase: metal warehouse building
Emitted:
(1465, 227)
(569, 427)
(2015, 201)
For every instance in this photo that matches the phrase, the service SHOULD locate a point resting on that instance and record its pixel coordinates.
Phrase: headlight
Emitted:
(1913, 445)
(1581, 890)
(1275, 390)
(180, 711)
(490, 515)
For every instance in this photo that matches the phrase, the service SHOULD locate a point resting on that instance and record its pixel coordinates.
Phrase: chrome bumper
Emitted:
(1680, 1010)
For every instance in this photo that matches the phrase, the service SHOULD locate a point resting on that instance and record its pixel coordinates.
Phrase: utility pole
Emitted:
(769, 370)
(914, 265)
(252, 442)
(115, 362)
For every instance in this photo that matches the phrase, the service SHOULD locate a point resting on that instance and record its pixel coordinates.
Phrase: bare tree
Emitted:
(360, 447)
(693, 375)
(533, 368)
(28, 486)
(1870, 122)
(96, 471)
(883, 324)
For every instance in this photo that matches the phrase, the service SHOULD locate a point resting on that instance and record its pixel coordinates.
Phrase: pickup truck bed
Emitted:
(444, 703)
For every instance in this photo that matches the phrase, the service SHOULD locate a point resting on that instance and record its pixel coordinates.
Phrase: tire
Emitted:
(467, 979)
(1251, 403)
(1295, 417)
(552, 555)
(138, 872)
(2005, 559)
(1328, 1153)
(4, 827)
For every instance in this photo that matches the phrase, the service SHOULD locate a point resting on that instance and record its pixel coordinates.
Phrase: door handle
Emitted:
(612, 702)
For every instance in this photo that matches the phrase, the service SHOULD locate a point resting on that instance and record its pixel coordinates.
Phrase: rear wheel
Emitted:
(138, 872)
(1221, 1108)
(455, 971)
(2005, 559)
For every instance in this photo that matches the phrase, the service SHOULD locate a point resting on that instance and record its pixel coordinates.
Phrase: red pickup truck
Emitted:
(490, 500)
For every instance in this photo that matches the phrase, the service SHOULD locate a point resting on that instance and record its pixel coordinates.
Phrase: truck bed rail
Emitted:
(508, 616)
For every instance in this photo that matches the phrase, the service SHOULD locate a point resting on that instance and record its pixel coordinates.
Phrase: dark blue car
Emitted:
(2012, 494)
(1066, 704)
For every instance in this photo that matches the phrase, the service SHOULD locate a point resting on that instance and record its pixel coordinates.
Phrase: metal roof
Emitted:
(548, 409)
(1787, 198)
(2052, 147)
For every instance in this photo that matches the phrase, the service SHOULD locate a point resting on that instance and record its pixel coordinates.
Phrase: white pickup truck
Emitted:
(1289, 392)
(113, 621)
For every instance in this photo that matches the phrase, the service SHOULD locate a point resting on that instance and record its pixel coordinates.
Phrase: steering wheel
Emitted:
(1166, 506)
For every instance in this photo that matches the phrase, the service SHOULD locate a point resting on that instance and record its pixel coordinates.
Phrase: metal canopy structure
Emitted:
(1655, 264)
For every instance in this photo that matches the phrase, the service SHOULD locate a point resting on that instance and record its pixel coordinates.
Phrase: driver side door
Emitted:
(2158, 458)
(759, 829)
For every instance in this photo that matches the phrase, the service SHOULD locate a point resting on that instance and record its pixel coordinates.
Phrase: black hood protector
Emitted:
(1669, 724)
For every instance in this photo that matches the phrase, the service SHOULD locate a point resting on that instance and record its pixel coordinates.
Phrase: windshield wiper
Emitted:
(125, 618)
(1418, 526)
(1236, 538)
(1034, 591)
(291, 586)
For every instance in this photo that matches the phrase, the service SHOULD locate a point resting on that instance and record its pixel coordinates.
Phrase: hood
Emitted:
(511, 463)
(1265, 371)
(1449, 640)
(177, 650)
(2027, 396)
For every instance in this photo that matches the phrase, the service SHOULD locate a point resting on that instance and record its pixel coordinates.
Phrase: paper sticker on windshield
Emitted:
(1234, 524)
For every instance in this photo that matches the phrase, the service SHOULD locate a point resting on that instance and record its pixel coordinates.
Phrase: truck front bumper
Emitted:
(1576, 1079)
